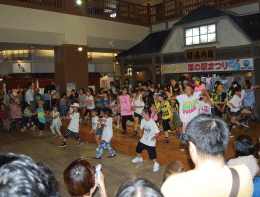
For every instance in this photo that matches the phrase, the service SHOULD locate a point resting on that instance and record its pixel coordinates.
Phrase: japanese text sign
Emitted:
(211, 66)
(199, 55)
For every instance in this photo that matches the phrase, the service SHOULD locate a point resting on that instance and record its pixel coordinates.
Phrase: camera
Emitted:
(97, 168)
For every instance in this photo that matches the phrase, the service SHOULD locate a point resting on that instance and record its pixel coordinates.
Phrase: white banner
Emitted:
(21, 67)
(211, 66)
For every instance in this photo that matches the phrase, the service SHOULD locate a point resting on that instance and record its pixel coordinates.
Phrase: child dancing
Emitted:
(148, 140)
(56, 123)
(107, 135)
(73, 127)
(96, 127)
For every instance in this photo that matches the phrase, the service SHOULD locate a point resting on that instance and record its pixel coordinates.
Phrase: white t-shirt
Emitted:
(95, 123)
(56, 121)
(250, 161)
(74, 122)
(92, 104)
(188, 106)
(29, 96)
(138, 103)
(205, 108)
(113, 89)
(108, 131)
(237, 102)
(150, 129)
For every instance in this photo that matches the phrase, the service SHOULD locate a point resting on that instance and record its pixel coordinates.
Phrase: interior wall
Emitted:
(144, 76)
(59, 28)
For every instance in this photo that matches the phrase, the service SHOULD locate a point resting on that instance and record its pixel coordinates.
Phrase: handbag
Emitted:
(235, 183)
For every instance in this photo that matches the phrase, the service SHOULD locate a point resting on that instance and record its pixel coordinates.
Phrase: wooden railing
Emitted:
(174, 9)
(123, 11)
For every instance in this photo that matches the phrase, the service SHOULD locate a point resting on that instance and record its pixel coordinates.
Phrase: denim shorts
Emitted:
(99, 131)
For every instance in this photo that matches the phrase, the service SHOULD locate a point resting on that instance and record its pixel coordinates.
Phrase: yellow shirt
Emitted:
(193, 183)
(166, 110)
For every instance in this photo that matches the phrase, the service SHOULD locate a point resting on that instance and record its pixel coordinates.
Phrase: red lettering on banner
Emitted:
(203, 66)
(224, 65)
(219, 66)
(211, 66)
(190, 67)
(197, 67)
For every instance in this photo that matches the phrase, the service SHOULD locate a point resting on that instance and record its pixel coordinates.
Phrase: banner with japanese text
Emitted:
(210, 66)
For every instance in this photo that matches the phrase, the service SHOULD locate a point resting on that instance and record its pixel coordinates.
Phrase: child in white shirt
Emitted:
(205, 105)
(73, 127)
(148, 140)
(107, 135)
(137, 107)
(96, 127)
(236, 108)
(56, 123)
(188, 109)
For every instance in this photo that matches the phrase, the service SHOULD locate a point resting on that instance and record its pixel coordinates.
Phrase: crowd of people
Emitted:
(208, 140)
(183, 109)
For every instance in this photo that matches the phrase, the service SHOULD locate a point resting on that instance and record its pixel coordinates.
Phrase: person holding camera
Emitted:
(82, 179)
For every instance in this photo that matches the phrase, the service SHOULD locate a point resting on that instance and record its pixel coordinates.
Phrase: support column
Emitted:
(71, 66)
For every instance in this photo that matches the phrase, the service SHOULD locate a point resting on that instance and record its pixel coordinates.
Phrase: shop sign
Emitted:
(158, 70)
(211, 66)
(21, 67)
(201, 54)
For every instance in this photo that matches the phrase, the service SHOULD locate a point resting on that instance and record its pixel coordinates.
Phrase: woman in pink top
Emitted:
(198, 85)
(17, 115)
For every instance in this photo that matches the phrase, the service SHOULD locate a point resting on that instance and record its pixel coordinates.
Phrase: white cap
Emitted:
(75, 105)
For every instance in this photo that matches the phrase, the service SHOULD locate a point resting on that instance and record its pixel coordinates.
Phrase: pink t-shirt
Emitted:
(196, 89)
(125, 106)
(155, 117)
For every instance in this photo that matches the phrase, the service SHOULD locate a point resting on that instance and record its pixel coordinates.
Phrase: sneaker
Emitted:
(130, 123)
(97, 148)
(40, 134)
(173, 133)
(62, 144)
(156, 167)
(96, 157)
(135, 134)
(117, 127)
(54, 135)
(167, 141)
(33, 128)
(105, 148)
(183, 146)
(230, 135)
(124, 132)
(60, 137)
(85, 121)
(244, 124)
(178, 133)
(137, 160)
(110, 156)
(79, 143)
(28, 124)
(246, 130)
(237, 123)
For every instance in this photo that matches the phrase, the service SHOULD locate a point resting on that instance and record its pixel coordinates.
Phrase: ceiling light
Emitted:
(80, 48)
(78, 2)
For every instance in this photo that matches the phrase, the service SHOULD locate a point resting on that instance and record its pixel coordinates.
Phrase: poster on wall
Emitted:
(70, 86)
(104, 83)
(57, 88)
(210, 66)
(21, 68)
